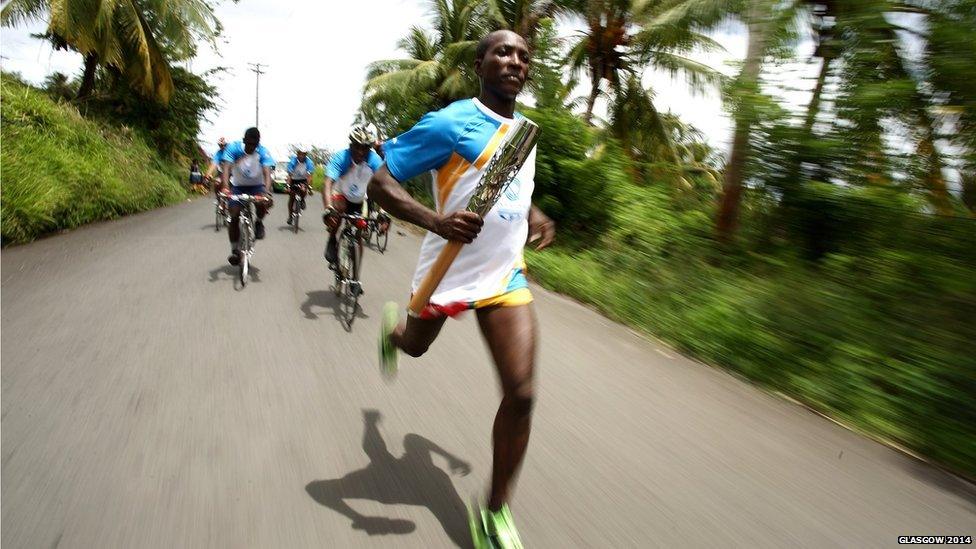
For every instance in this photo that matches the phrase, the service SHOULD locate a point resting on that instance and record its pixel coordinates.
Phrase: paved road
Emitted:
(146, 403)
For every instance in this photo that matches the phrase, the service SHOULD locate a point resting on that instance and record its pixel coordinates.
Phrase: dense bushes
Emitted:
(61, 170)
(849, 299)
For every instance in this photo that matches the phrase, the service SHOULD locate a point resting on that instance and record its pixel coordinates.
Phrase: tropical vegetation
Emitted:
(828, 253)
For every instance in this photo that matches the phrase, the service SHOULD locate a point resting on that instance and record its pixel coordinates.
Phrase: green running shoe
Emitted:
(493, 530)
(389, 354)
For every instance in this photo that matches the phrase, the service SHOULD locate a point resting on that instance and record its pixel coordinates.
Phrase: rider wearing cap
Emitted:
(347, 175)
(300, 170)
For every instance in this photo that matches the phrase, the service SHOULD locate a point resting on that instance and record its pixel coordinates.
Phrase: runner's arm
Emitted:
(541, 228)
(386, 191)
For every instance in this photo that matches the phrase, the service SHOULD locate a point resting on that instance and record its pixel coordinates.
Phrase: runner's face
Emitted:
(505, 67)
(358, 152)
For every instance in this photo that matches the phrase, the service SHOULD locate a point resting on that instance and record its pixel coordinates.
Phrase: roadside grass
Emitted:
(59, 170)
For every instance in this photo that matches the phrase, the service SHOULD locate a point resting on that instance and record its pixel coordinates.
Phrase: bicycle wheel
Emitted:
(296, 215)
(341, 266)
(245, 249)
(383, 237)
(218, 218)
(350, 302)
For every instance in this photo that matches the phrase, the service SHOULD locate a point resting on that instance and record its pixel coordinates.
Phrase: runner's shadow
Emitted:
(411, 479)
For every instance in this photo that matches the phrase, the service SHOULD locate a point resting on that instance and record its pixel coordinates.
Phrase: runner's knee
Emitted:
(520, 396)
(415, 349)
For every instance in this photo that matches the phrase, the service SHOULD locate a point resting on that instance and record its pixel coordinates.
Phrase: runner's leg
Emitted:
(511, 334)
(415, 335)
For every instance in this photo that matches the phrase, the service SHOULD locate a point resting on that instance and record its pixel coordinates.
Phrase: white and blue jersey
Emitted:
(217, 158)
(300, 171)
(247, 170)
(455, 144)
(351, 178)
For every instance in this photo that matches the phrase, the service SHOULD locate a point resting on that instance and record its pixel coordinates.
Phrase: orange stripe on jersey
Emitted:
(448, 176)
(490, 148)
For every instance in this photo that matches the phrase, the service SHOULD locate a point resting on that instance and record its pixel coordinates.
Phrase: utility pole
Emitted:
(256, 69)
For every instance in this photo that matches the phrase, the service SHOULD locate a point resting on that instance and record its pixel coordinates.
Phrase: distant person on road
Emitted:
(300, 170)
(215, 165)
(346, 177)
(196, 178)
(250, 165)
(454, 144)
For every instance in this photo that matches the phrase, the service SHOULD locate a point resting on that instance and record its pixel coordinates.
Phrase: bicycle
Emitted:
(347, 268)
(381, 229)
(246, 223)
(297, 206)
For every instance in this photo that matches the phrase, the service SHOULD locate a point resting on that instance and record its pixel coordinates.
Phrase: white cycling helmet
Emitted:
(361, 136)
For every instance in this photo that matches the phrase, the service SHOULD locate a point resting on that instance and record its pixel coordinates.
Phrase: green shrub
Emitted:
(60, 170)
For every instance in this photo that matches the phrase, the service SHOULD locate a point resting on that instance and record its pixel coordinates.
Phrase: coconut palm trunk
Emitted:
(88, 77)
(728, 214)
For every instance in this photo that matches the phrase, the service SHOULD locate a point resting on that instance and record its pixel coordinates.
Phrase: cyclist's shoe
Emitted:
(389, 354)
(493, 530)
(290, 216)
(234, 258)
(259, 230)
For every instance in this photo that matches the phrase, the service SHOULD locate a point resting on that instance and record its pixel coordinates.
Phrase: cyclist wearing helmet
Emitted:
(300, 170)
(347, 175)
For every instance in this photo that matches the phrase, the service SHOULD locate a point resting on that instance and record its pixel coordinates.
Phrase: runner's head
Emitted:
(502, 63)
(360, 142)
(252, 138)
(301, 153)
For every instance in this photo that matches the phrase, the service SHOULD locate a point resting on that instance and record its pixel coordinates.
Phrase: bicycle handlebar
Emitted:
(248, 197)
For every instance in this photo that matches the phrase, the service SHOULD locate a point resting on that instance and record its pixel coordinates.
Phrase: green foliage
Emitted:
(576, 177)
(137, 38)
(61, 170)
(173, 129)
(878, 333)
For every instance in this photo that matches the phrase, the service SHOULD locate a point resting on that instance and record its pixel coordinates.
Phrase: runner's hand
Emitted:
(459, 226)
(541, 228)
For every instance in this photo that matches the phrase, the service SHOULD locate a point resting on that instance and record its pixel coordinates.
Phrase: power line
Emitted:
(256, 69)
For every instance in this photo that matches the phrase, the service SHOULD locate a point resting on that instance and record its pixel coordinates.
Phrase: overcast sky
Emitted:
(316, 54)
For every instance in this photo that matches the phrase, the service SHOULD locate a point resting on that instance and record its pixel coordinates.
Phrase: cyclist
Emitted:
(455, 143)
(300, 170)
(215, 165)
(251, 165)
(347, 175)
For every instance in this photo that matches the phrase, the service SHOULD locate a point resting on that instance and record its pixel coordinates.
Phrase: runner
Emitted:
(487, 276)
(251, 166)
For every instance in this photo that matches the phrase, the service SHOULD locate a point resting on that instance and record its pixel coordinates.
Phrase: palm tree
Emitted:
(621, 39)
(437, 71)
(137, 38)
